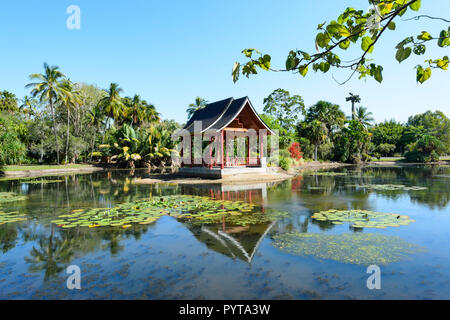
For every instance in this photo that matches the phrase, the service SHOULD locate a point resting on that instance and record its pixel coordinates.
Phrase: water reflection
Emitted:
(47, 250)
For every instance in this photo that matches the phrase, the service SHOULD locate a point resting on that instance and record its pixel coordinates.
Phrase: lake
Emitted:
(311, 237)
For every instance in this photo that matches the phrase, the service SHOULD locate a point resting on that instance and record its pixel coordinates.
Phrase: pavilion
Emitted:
(236, 135)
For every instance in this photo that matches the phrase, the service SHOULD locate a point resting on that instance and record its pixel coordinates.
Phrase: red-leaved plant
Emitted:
(295, 151)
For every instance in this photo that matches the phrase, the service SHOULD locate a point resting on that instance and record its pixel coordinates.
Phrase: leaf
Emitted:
(402, 54)
(322, 39)
(303, 70)
(424, 36)
(234, 74)
(391, 25)
(366, 44)
(419, 49)
(415, 5)
(344, 45)
(292, 61)
(423, 74)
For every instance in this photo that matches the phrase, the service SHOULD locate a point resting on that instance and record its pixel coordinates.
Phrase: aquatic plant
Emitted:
(325, 173)
(353, 248)
(391, 187)
(9, 217)
(363, 218)
(39, 181)
(197, 209)
(10, 197)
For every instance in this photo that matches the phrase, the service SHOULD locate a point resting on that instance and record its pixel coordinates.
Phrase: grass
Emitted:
(43, 167)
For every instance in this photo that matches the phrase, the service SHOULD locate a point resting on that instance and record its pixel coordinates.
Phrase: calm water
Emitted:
(178, 260)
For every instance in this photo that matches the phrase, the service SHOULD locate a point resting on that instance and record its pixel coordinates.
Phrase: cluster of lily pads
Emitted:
(353, 248)
(392, 187)
(363, 218)
(326, 173)
(193, 208)
(11, 197)
(39, 181)
(9, 217)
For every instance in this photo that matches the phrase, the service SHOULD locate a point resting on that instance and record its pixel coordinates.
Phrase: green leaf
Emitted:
(444, 39)
(402, 54)
(391, 25)
(423, 74)
(322, 39)
(235, 71)
(424, 36)
(344, 45)
(292, 61)
(366, 44)
(419, 49)
(377, 72)
(415, 5)
(303, 70)
(264, 62)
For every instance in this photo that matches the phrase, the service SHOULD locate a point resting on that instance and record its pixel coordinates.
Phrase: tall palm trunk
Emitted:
(54, 130)
(93, 144)
(68, 134)
(315, 151)
(353, 110)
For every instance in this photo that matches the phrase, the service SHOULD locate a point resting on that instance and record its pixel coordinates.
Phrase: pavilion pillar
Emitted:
(248, 150)
(222, 164)
(261, 149)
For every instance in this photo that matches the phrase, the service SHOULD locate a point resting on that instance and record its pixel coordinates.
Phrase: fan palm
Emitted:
(199, 103)
(353, 98)
(364, 117)
(47, 87)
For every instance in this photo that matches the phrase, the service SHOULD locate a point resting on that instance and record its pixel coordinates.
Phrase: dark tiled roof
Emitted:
(219, 114)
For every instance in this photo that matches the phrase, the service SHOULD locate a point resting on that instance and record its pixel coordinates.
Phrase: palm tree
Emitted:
(27, 105)
(364, 117)
(112, 104)
(316, 131)
(199, 103)
(353, 98)
(150, 113)
(96, 116)
(134, 110)
(48, 89)
(69, 98)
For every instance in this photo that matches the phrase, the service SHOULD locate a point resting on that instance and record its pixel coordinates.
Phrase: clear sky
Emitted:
(169, 52)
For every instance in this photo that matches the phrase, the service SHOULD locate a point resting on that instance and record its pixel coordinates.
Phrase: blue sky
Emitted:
(171, 51)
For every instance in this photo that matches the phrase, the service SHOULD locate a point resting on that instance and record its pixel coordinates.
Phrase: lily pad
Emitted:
(363, 218)
(352, 248)
(11, 197)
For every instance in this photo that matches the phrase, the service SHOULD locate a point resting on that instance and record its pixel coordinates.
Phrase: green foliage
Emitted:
(12, 150)
(284, 107)
(361, 29)
(427, 149)
(8, 102)
(285, 163)
(386, 149)
(388, 133)
(198, 104)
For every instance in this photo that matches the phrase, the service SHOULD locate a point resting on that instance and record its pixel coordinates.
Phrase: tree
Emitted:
(353, 98)
(433, 123)
(326, 112)
(70, 99)
(284, 107)
(426, 149)
(112, 103)
(316, 131)
(198, 104)
(8, 101)
(48, 89)
(389, 133)
(357, 28)
(364, 117)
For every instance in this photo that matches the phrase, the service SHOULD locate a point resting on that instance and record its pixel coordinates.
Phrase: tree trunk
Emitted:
(54, 130)
(315, 151)
(93, 145)
(353, 110)
(68, 134)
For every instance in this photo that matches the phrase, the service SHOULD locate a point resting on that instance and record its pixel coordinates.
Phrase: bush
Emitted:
(295, 151)
(386, 149)
(285, 163)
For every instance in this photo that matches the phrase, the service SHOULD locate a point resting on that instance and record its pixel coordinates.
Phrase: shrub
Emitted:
(295, 151)
(285, 163)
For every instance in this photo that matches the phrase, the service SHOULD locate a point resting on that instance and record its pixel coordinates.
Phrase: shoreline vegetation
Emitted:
(167, 174)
